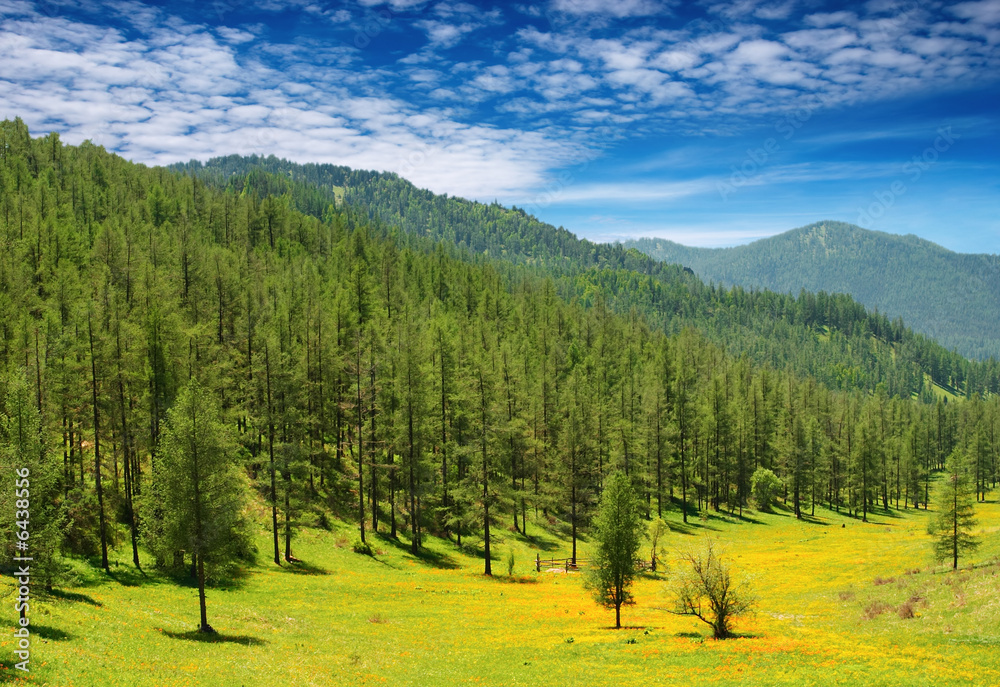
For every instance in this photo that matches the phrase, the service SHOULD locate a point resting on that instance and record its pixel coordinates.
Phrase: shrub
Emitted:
(706, 590)
(510, 562)
(363, 547)
(873, 609)
(765, 487)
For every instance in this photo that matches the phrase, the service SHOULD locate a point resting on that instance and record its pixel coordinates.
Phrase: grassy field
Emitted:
(832, 592)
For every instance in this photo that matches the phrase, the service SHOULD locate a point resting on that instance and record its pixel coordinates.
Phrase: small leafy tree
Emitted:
(657, 530)
(617, 535)
(765, 486)
(952, 526)
(199, 488)
(705, 589)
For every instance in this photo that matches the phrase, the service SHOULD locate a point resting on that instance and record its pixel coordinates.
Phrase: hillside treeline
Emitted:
(864, 349)
(388, 378)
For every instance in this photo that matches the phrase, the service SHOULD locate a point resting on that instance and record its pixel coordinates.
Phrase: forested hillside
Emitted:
(392, 380)
(830, 337)
(951, 297)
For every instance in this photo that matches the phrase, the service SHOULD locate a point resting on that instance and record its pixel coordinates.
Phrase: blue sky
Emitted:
(709, 123)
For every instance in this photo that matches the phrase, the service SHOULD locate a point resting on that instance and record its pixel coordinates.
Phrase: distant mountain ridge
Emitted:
(951, 297)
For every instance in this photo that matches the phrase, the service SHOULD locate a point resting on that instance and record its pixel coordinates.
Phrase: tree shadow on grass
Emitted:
(734, 635)
(63, 595)
(300, 567)
(516, 579)
(215, 638)
(691, 528)
(681, 528)
(435, 559)
(46, 632)
(129, 577)
(539, 543)
(815, 520)
(8, 673)
(746, 518)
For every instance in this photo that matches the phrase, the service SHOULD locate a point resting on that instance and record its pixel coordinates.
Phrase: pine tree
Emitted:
(617, 536)
(29, 482)
(955, 520)
(199, 489)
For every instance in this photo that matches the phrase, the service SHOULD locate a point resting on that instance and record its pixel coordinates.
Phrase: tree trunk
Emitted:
(205, 627)
(270, 450)
(97, 451)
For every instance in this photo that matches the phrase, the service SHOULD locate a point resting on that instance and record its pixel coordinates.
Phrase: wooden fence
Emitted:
(568, 564)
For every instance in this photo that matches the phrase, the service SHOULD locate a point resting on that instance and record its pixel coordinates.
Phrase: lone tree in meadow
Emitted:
(617, 535)
(952, 526)
(765, 487)
(705, 589)
(199, 488)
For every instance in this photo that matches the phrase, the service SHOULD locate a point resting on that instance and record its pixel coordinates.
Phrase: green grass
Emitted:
(347, 619)
(338, 194)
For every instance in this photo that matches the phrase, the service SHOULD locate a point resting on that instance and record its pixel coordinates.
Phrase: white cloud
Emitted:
(234, 35)
(984, 11)
(161, 89)
(617, 8)
(179, 92)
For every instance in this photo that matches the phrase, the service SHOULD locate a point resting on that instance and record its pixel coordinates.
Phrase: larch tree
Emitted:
(955, 520)
(199, 488)
(29, 478)
(617, 535)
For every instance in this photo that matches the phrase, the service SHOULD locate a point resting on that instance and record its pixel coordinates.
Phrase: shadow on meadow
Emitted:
(75, 597)
(8, 673)
(129, 577)
(300, 567)
(692, 528)
(815, 520)
(538, 544)
(513, 579)
(737, 517)
(435, 559)
(215, 638)
(46, 632)
(701, 637)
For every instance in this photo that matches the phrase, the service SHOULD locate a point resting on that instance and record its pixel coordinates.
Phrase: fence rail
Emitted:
(568, 564)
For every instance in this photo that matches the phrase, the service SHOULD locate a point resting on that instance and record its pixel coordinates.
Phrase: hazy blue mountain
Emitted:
(951, 297)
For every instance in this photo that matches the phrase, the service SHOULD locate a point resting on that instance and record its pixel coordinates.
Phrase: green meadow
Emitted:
(840, 602)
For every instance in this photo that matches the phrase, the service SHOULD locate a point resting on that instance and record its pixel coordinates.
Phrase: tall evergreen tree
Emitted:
(617, 536)
(199, 489)
(953, 524)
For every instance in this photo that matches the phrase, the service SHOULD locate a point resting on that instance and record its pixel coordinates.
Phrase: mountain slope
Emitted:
(831, 338)
(954, 298)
